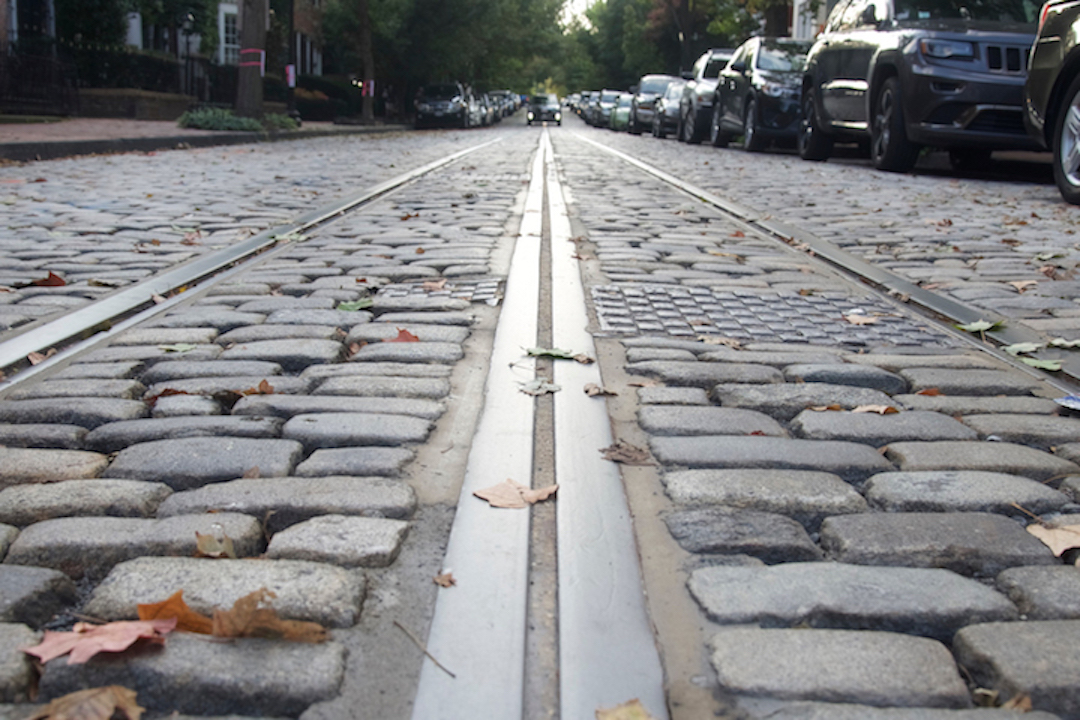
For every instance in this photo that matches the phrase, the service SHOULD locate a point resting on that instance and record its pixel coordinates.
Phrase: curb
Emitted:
(32, 151)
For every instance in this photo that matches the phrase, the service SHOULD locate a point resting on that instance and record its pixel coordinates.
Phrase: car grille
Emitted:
(1009, 122)
(1008, 59)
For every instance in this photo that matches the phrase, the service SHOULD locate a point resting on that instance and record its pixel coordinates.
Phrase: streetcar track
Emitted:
(944, 311)
(95, 322)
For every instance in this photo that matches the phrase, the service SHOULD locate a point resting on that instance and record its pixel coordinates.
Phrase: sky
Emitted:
(575, 7)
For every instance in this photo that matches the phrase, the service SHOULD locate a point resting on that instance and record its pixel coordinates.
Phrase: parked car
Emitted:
(695, 107)
(445, 104)
(646, 93)
(906, 73)
(604, 106)
(1052, 93)
(666, 111)
(757, 94)
(590, 107)
(544, 108)
(620, 115)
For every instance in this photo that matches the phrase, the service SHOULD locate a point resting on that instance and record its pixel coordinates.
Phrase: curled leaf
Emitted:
(1061, 342)
(539, 386)
(100, 703)
(861, 319)
(251, 616)
(444, 579)
(1058, 539)
(980, 326)
(214, 545)
(1024, 347)
(632, 710)
(626, 454)
(353, 306)
(594, 390)
(1051, 365)
(175, 607)
(178, 347)
(877, 409)
(85, 640)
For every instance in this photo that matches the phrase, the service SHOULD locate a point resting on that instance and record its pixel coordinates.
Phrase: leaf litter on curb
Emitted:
(86, 640)
(627, 454)
(594, 390)
(444, 579)
(512, 495)
(100, 703)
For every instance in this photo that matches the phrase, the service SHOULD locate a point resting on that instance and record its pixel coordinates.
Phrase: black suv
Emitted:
(1052, 93)
(906, 73)
(443, 104)
(544, 108)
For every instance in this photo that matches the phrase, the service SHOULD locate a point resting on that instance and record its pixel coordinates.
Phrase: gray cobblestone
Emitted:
(33, 595)
(17, 673)
(691, 420)
(784, 402)
(293, 355)
(961, 491)
(1040, 432)
(185, 463)
(705, 375)
(348, 541)
(850, 375)
(60, 437)
(187, 369)
(23, 505)
(1043, 592)
(990, 457)
(114, 437)
(729, 531)
(84, 412)
(877, 430)
(970, 381)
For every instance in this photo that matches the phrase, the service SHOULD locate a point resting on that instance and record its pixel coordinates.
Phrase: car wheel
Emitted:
(680, 128)
(752, 140)
(969, 159)
(691, 127)
(633, 127)
(1066, 145)
(717, 137)
(812, 142)
(890, 148)
(658, 129)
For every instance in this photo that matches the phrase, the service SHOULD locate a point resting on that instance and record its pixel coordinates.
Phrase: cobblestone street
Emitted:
(792, 496)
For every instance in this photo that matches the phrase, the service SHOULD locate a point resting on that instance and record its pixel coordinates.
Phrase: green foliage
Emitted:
(222, 119)
(177, 13)
(91, 22)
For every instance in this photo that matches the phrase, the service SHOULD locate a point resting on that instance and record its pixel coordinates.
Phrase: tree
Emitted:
(99, 22)
(249, 91)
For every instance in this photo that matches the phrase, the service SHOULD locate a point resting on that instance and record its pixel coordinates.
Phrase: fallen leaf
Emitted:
(929, 392)
(805, 292)
(420, 251)
(1049, 271)
(861, 319)
(158, 299)
(410, 216)
(826, 408)
(738, 234)
(584, 359)
(445, 579)
(878, 409)
(404, 336)
(1050, 365)
(554, 353)
(1061, 342)
(251, 616)
(509, 494)
(175, 607)
(215, 546)
(944, 223)
(94, 282)
(252, 473)
(632, 710)
(100, 703)
(263, 388)
(717, 340)
(627, 454)
(645, 383)
(594, 390)
(1058, 539)
(353, 306)
(86, 640)
(1022, 285)
(36, 358)
(1024, 347)
(433, 285)
(178, 347)
(539, 386)
(1020, 703)
(1049, 255)
(1013, 242)
(50, 280)
(980, 326)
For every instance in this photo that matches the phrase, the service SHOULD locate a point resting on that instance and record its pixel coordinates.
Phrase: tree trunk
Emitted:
(249, 90)
(776, 20)
(367, 57)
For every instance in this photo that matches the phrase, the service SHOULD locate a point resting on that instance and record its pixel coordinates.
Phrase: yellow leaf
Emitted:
(632, 710)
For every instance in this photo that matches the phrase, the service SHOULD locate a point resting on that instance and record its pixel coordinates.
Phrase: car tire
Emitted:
(890, 148)
(717, 137)
(658, 130)
(752, 139)
(812, 142)
(1065, 145)
(633, 128)
(680, 129)
(692, 128)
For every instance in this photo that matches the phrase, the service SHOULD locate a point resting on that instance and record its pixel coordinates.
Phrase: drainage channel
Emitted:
(606, 649)
(933, 305)
(106, 317)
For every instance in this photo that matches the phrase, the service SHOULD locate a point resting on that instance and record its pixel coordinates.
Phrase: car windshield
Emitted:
(674, 90)
(625, 100)
(786, 57)
(654, 85)
(1010, 11)
(718, 63)
(546, 101)
(441, 91)
(609, 97)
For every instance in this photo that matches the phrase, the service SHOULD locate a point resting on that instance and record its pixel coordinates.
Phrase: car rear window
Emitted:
(1009, 11)
(654, 85)
(782, 58)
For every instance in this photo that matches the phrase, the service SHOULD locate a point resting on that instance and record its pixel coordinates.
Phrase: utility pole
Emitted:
(367, 57)
(249, 86)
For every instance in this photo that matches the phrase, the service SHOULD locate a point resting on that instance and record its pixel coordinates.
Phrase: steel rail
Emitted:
(94, 318)
(891, 285)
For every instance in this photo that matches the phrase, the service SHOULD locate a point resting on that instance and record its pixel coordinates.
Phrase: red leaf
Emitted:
(86, 640)
(404, 336)
(53, 280)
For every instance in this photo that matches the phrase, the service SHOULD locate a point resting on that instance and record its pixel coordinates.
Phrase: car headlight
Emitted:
(531, 116)
(558, 116)
(947, 49)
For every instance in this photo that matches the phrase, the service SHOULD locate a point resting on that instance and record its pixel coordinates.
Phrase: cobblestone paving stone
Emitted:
(264, 410)
(796, 639)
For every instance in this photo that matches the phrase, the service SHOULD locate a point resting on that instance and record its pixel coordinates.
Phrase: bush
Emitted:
(222, 119)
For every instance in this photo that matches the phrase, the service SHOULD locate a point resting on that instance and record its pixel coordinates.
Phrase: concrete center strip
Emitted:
(607, 652)
(478, 631)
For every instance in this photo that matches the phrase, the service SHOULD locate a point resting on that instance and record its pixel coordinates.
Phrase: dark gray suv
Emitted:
(900, 74)
(1052, 93)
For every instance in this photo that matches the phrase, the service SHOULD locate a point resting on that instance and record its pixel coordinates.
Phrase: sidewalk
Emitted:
(22, 142)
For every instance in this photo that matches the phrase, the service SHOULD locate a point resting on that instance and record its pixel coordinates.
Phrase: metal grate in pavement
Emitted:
(817, 319)
(485, 291)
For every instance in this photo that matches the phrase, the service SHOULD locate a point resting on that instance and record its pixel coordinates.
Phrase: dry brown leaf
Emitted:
(1020, 703)
(433, 285)
(50, 280)
(861, 319)
(879, 409)
(1049, 271)
(445, 579)
(584, 359)
(738, 234)
(252, 473)
(100, 703)
(645, 383)
(717, 340)
(627, 454)
(930, 392)
(632, 710)
(175, 607)
(86, 640)
(36, 358)
(158, 299)
(826, 408)
(594, 390)
(212, 546)
(509, 494)
(404, 336)
(1058, 539)
(251, 616)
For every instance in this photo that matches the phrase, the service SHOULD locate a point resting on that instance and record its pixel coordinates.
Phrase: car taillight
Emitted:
(1042, 15)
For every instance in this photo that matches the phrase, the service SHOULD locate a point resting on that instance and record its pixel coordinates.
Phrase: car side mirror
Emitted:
(739, 67)
(687, 75)
(869, 16)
